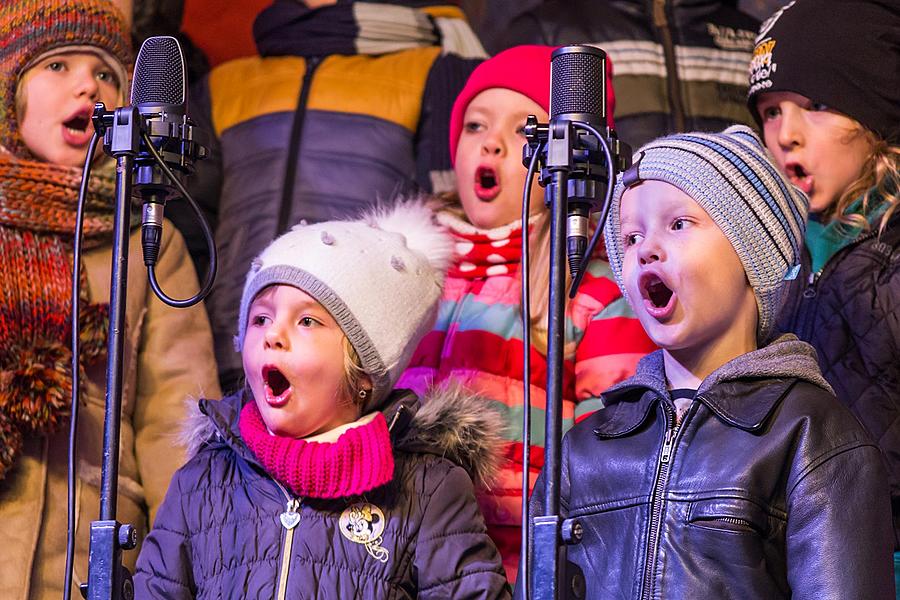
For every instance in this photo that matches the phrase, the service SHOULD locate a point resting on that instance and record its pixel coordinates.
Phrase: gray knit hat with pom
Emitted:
(732, 177)
(380, 277)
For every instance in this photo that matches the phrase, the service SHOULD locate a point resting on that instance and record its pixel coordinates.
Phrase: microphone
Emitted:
(159, 93)
(578, 94)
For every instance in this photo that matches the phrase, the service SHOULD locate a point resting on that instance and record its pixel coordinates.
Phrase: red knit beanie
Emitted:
(523, 69)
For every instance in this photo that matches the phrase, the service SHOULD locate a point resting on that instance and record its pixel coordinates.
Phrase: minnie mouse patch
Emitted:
(363, 523)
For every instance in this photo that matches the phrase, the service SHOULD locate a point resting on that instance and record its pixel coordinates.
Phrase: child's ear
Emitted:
(365, 383)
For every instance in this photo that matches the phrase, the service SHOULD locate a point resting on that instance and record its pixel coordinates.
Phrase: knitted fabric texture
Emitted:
(842, 53)
(380, 277)
(37, 221)
(360, 460)
(732, 178)
(32, 28)
(481, 253)
(522, 69)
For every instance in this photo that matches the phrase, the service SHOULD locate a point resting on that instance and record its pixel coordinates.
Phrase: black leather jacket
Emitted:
(769, 488)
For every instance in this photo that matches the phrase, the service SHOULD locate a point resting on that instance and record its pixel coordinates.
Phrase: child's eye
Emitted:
(259, 320)
(818, 106)
(770, 112)
(56, 66)
(679, 224)
(107, 76)
(308, 322)
(630, 239)
(473, 127)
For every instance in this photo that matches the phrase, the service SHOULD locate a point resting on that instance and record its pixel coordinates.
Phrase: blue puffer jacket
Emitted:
(219, 533)
(343, 106)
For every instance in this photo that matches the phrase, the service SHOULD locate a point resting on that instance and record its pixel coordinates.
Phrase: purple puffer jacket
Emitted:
(219, 532)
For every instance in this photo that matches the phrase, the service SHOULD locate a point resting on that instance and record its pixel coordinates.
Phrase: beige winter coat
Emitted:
(168, 357)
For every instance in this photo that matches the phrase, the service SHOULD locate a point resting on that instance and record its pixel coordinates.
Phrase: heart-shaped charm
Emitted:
(289, 519)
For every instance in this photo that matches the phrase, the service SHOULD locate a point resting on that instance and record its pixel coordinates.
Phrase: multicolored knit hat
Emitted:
(523, 69)
(842, 53)
(380, 277)
(731, 176)
(30, 29)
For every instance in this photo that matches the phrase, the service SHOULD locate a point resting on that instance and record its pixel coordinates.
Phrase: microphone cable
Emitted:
(604, 211)
(76, 332)
(526, 372)
(151, 251)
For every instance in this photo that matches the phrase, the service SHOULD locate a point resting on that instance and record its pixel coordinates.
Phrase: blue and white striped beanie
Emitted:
(732, 177)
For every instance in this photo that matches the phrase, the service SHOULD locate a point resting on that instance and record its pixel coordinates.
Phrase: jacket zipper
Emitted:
(737, 521)
(293, 505)
(812, 282)
(656, 504)
(293, 154)
(661, 22)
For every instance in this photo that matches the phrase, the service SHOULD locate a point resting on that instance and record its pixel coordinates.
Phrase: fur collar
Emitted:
(449, 422)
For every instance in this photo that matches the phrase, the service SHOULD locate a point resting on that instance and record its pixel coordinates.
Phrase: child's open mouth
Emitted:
(659, 299)
(77, 130)
(487, 183)
(277, 387)
(799, 177)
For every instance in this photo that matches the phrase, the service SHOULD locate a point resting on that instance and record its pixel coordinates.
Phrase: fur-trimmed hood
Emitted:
(450, 422)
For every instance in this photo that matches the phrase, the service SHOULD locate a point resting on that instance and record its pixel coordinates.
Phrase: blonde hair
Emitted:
(538, 267)
(878, 181)
(354, 375)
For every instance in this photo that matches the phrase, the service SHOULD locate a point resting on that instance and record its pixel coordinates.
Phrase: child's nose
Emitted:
(275, 338)
(492, 146)
(648, 252)
(790, 131)
(87, 85)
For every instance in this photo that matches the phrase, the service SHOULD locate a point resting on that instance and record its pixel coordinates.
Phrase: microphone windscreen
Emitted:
(578, 84)
(160, 73)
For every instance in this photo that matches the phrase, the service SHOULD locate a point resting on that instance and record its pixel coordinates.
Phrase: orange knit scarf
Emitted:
(37, 223)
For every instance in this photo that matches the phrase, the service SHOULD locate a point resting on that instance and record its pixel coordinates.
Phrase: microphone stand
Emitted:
(571, 170)
(549, 528)
(108, 579)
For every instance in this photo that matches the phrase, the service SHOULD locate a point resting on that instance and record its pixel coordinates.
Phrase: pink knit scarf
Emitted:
(360, 460)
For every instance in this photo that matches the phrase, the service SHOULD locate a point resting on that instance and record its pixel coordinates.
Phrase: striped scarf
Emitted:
(37, 222)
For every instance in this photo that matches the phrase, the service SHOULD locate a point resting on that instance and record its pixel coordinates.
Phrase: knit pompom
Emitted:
(415, 220)
(37, 389)
(10, 444)
(94, 320)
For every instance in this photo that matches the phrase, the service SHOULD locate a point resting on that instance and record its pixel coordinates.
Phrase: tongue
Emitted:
(277, 382)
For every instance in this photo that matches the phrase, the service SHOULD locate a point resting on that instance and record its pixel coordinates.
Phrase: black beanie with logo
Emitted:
(842, 53)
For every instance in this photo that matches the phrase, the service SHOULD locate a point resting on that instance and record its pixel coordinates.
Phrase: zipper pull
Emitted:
(667, 446)
(290, 518)
(810, 291)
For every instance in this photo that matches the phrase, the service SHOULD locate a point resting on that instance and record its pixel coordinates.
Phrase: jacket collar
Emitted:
(743, 392)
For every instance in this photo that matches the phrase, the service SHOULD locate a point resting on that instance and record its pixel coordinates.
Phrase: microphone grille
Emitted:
(578, 82)
(159, 73)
